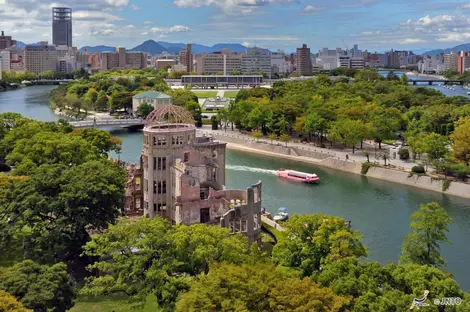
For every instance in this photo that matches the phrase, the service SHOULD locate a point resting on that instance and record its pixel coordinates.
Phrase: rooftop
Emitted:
(151, 95)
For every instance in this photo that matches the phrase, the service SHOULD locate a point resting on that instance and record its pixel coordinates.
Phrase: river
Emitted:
(379, 209)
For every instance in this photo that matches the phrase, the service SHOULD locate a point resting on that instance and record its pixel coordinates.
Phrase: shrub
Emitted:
(215, 123)
(365, 167)
(418, 169)
(404, 154)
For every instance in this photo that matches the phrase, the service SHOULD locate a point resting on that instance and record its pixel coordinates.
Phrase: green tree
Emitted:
(100, 139)
(352, 132)
(450, 74)
(255, 118)
(57, 205)
(314, 240)
(285, 138)
(48, 74)
(282, 124)
(436, 146)
(39, 287)
(392, 77)
(259, 287)
(429, 225)
(404, 79)
(384, 123)
(314, 123)
(257, 135)
(144, 110)
(273, 137)
(162, 257)
(50, 148)
(8, 303)
(461, 141)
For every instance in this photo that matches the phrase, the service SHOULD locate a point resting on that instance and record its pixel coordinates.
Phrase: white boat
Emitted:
(281, 215)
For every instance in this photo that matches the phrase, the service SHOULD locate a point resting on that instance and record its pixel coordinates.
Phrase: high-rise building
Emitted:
(6, 41)
(62, 26)
(304, 62)
(279, 63)
(255, 61)
(451, 61)
(39, 58)
(186, 57)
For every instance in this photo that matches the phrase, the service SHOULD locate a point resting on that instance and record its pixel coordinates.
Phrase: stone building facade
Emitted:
(182, 178)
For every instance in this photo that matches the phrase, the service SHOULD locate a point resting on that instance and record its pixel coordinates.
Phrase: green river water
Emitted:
(379, 209)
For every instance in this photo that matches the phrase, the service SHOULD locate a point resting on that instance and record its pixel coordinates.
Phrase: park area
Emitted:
(205, 94)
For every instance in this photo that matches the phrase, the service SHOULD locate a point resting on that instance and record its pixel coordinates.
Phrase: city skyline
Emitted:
(375, 25)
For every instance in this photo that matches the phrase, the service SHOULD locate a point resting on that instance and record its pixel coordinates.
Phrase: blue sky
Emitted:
(375, 25)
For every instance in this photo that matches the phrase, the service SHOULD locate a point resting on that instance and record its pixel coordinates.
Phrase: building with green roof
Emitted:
(153, 98)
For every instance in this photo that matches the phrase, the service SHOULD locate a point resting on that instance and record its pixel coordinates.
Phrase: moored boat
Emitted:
(297, 176)
(281, 215)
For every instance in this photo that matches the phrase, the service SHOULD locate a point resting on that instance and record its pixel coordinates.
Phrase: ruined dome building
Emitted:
(182, 178)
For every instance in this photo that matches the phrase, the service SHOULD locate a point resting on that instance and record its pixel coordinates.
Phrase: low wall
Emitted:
(313, 154)
(278, 149)
(424, 182)
(343, 165)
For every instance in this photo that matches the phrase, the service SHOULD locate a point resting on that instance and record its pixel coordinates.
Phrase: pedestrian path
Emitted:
(220, 93)
(343, 154)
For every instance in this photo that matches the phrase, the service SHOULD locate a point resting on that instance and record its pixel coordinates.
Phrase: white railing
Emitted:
(106, 122)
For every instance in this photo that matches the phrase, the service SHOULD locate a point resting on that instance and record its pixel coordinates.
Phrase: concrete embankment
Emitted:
(329, 160)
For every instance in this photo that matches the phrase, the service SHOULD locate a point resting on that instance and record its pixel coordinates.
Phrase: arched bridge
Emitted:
(107, 122)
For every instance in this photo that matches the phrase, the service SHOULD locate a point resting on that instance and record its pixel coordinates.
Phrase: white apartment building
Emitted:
(66, 64)
(5, 56)
(256, 60)
(278, 62)
(39, 58)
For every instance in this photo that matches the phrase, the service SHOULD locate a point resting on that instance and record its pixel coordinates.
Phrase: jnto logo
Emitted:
(420, 302)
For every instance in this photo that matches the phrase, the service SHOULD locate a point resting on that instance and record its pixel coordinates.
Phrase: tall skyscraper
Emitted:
(186, 58)
(304, 62)
(6, 41)
(62, 26)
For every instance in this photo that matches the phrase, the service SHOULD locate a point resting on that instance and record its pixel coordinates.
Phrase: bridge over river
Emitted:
(108, 122)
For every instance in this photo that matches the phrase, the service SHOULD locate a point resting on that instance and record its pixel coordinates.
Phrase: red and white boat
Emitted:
(298, 176)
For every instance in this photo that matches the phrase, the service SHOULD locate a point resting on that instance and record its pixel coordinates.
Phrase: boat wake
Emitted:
(250, 169)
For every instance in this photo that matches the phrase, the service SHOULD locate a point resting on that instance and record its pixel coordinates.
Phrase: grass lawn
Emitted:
(230, 94)
(205, 94)
(110, 304)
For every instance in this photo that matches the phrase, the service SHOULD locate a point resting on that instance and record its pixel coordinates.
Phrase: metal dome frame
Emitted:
(169, 114)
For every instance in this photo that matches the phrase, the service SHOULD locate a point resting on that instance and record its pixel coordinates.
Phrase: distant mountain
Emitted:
(464, 47)
(20, 44)
(151, 47)
(100, 48)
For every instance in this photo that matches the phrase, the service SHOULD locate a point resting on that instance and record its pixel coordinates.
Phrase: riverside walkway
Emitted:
(338, 153)
(94, 123)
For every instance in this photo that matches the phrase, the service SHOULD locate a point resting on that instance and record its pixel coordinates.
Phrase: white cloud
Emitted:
(145, 33)
(231, 6)
(135, 7)
(180, 28)
(117, 3)
(95, 15)
(175, 28)
(103, 30)
(453, 37)
(130, 26)
(248, 44)
(412, 41)
(270, 38)
(310, 8)
(148, 23)
(156, 29)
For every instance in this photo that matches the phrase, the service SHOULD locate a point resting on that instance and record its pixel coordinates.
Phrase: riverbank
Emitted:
(7, 87)
(329, 160)
(424, 75)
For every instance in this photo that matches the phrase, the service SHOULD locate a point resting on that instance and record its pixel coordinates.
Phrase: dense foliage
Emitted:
(39, 287)
(8, 303)
(62, 187)
(112, 91)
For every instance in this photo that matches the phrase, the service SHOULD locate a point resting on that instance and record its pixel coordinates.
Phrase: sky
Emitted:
(375, 25)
